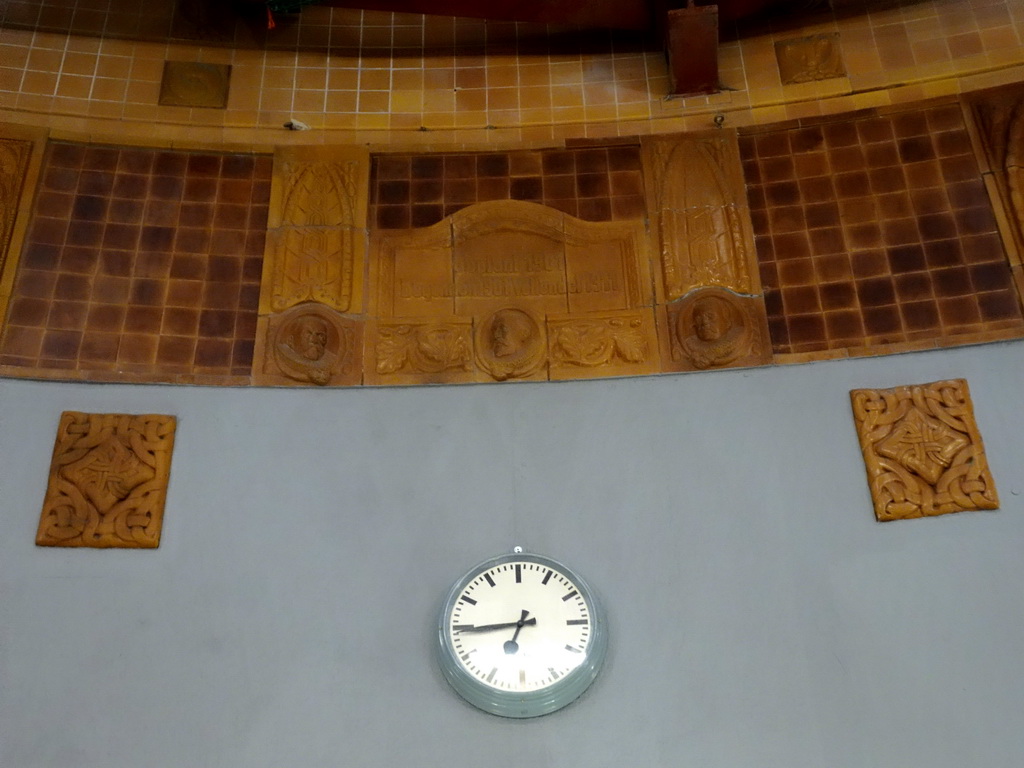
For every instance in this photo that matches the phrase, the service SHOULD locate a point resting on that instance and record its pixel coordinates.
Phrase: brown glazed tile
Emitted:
(894, 216)
(99, 348)
(420, 190)
(147, 238)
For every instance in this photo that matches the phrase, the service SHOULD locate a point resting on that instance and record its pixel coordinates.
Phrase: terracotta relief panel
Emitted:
(715, 328)
(510, 344)
(418, 352)
(477, 295)
(805, 59)
(108, 481)
(317, 241)
(605, 344)
(309, 344)
(195, 84)
(923, 450)
(699, 212)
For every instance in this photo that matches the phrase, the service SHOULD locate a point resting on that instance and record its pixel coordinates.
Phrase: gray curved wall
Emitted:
(759, 615)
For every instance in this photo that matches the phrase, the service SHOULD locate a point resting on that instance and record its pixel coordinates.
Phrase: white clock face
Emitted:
(520, 626)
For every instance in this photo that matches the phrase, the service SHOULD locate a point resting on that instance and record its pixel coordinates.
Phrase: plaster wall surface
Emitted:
(759, 616)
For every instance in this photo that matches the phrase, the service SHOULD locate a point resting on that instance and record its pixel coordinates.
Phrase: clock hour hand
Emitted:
(511, 646)
(490, 627)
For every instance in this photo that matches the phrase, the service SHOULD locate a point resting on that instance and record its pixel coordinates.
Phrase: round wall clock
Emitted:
(521, 635)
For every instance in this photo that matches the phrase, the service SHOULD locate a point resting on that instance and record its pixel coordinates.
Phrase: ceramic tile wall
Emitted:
(387, 90)
(874, 234)
(876, 230)
(594, 184)
(141, 262)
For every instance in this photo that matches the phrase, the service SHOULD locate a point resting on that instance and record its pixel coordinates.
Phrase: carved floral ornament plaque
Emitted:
(108, 481)
(923, 450)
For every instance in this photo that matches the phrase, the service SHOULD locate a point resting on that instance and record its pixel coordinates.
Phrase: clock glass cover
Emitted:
(521, 635)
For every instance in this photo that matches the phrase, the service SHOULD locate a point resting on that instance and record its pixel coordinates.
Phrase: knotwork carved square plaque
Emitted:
(923, 450)
(108, 481)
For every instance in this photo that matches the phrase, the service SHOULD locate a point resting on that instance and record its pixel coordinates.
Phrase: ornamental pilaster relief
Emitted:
(699, 214)
(317, 237)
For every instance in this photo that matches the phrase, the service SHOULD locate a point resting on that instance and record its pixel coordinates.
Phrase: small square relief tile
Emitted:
(922, 450)
(108, 481)
(194, 84)
(805, 59)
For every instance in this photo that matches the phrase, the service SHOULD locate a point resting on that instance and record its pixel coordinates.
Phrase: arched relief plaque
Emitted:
(697, 200)
(715, 328)
(508, 268)
(316, 244)
(308, 344)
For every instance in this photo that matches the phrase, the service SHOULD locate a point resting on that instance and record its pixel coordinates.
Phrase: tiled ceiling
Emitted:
(343, 30)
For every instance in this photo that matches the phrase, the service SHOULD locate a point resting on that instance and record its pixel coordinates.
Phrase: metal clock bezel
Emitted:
(532, 703)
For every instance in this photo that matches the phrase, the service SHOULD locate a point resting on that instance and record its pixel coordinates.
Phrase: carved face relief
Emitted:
(309, 337)
(510, 331)
(307, 346)
(709, 321)
(711, 331)
(510, 344)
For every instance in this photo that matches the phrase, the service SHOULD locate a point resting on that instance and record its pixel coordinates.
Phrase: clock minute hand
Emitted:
(489, 627)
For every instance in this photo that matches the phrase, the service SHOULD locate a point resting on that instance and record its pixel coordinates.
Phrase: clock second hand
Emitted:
(511, 646)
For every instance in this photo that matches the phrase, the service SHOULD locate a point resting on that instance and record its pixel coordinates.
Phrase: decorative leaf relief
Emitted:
(630, 343)
(393, 348)
(444, 348)
(424, 349)
(591, 343)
